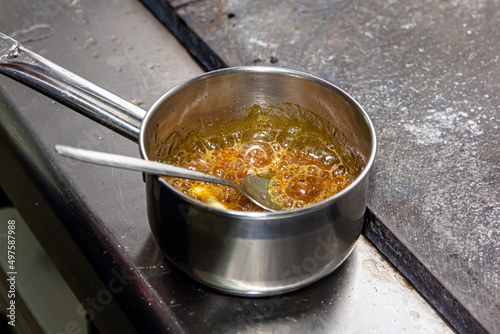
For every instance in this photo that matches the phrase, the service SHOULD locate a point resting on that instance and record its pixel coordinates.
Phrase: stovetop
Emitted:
(92, 220)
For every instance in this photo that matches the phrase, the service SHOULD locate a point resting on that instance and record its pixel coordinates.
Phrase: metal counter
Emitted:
(92, 220)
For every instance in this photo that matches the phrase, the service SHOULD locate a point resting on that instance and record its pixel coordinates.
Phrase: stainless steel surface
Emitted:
(69, 89)
(254, 253)
(252, 186)
(120, 46)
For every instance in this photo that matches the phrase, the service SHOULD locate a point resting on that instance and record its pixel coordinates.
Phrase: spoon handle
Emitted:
(141, 165)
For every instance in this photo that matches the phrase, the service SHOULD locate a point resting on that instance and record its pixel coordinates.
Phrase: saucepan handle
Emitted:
(31, 69)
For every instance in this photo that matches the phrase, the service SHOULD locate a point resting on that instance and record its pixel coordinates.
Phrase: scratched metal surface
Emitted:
(428, 74)
(121, 47)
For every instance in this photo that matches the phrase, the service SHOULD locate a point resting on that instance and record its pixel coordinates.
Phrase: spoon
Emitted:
(254, 187)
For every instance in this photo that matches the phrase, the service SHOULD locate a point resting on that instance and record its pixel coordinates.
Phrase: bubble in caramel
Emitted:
(301, 151)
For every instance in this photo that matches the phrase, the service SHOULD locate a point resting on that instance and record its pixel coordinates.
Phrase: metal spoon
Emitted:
(254, 186)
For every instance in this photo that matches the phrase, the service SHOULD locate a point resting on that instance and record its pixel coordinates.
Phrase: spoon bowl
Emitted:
(254, 187)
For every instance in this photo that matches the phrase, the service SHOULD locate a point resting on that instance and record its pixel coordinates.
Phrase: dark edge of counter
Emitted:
(401, 258)
(445, 304)
(195, 46)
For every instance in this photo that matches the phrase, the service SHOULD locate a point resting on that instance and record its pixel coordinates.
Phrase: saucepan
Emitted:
(242, 253)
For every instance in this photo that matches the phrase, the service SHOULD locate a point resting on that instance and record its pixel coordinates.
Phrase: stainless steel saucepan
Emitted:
(256, 253)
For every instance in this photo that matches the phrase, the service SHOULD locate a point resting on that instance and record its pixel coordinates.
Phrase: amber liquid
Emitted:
(301, 151)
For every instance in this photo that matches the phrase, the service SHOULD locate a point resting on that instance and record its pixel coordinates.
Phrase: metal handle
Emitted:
(140, 165)
(34, 71)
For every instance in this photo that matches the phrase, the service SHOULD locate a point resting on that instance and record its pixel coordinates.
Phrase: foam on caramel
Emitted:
(301, 150)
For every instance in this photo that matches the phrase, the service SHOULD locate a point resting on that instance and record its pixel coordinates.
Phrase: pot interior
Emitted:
(228, 94)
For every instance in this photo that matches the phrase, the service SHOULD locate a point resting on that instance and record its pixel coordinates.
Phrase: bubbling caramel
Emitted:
(301, 151)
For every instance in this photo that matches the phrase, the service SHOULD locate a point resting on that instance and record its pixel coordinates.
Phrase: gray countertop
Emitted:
(425, 72)
(428, 74)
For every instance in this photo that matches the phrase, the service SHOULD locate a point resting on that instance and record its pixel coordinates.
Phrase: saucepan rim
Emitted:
(276, 71)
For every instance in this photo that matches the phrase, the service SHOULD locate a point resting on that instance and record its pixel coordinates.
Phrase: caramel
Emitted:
(301, 151)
